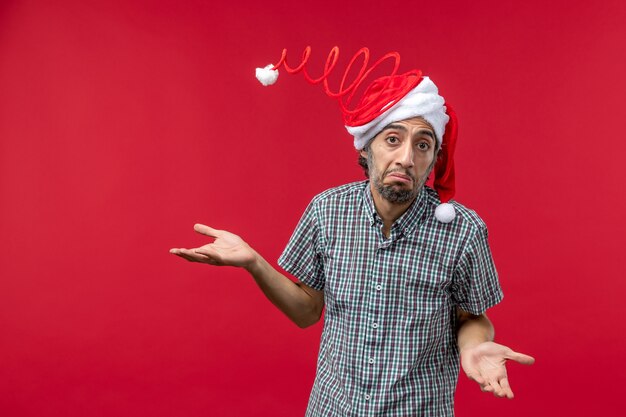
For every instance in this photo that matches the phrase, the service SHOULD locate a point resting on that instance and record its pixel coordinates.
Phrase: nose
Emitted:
(406, 154)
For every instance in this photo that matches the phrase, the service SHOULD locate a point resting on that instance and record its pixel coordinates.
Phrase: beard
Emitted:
(393, 193)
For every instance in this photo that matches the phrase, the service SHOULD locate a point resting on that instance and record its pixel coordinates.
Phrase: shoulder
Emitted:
(466, 219)
(341, 195)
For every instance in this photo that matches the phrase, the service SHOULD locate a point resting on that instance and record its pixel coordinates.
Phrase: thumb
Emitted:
(206, 230)
(521, 358)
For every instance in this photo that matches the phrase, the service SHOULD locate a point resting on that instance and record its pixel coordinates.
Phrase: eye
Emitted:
(392, 140)
(423, 146)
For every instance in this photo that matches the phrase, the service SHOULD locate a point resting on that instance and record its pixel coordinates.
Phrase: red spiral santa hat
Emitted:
(386, 100)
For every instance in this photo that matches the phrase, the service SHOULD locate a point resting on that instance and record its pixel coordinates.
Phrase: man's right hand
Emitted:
(301, 303)
(227, 249)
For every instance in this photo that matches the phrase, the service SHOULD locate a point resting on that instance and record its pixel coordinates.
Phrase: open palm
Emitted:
(485, 364)
(227, 249)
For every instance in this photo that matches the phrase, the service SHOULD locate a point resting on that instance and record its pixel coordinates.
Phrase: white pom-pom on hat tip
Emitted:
(445, 212)
(267, 76)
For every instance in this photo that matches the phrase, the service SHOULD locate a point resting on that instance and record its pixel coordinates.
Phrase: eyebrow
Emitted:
(426, 132)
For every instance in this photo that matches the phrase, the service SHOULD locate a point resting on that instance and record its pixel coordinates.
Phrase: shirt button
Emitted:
(367, 397)
(375, 325)
(371, 360)
(379, 287)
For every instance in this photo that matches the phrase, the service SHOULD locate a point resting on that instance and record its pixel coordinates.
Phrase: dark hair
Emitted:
(363, 162)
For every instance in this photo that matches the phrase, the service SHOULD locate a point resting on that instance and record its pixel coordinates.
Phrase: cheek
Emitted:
(424, 161)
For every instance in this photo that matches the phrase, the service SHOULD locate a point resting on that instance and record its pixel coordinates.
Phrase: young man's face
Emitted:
(400, 159)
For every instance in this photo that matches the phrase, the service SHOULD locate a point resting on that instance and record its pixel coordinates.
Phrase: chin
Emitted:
(399, 186)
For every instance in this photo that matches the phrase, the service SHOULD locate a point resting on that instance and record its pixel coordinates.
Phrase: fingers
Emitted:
(485, 386)
(193, 255)
(498, 385)
(209, 254)
(491, 386)
(475, 377)
(521, 358)
(206, 230)
(180, 254)
(499, 388)
(190, 255)
(508, 393)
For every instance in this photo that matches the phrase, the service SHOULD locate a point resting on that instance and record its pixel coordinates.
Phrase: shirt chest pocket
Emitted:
(423, 280)
(346, 280)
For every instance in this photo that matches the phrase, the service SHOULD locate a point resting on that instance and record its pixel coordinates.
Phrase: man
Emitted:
(405, 280)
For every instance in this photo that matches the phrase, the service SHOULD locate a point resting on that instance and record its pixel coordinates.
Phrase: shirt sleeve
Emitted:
(476, 287)
(302, 257)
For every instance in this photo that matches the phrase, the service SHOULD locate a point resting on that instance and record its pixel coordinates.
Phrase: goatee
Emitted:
(393, 193)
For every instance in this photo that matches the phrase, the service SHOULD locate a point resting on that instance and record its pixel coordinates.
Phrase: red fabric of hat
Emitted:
(444, 167)
(380, 96)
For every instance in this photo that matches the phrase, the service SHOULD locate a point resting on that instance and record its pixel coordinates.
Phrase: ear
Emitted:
(363, 153)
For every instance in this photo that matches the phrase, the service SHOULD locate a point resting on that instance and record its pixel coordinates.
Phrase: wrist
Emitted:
(255, 265)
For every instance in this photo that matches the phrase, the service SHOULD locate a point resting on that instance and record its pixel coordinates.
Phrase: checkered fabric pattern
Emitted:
(388, 347)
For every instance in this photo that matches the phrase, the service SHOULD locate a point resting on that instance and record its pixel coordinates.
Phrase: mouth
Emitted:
(399, 177)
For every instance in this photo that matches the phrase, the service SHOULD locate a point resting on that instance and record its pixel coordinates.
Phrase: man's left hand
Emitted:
(485, 364)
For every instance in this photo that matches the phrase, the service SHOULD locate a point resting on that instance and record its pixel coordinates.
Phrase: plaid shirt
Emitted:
(389, 341)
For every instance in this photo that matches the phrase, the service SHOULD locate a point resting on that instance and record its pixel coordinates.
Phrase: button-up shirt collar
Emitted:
(406, 223)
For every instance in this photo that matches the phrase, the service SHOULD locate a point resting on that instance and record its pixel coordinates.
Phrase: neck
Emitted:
(389, 212)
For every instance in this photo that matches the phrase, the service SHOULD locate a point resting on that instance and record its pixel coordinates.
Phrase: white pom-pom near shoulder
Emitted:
(445, 212)
(267, 76)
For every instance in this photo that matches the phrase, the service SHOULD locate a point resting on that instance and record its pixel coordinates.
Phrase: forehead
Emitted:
(415, 122)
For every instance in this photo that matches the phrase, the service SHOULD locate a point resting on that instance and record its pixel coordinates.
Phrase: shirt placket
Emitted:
(374, 324)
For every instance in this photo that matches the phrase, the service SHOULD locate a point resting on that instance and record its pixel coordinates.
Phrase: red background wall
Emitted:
(122, 123)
